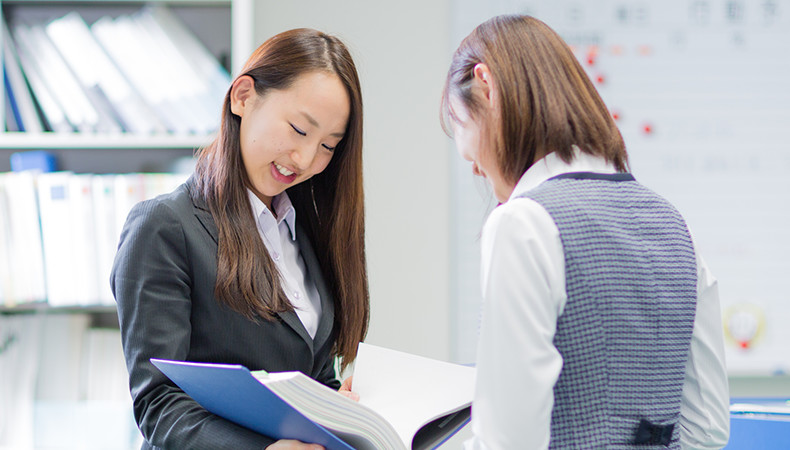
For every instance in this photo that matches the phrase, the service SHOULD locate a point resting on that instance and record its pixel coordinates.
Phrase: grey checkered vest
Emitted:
(624, 335)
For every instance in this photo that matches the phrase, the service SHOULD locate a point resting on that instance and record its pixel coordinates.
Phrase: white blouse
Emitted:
(523, 283)
(279, 237)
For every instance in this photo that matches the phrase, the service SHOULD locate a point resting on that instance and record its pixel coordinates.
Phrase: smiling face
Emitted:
(289, 135)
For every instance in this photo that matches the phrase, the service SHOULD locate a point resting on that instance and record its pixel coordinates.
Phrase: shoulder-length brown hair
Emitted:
(544, 102)
(329, 206)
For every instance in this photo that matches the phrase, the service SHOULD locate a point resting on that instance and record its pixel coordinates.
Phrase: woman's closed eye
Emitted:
(304, 133)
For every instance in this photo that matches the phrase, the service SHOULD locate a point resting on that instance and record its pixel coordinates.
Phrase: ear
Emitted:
(484, 81)
(243, 90)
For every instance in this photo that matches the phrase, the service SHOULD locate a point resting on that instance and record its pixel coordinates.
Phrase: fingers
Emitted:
(352, 395)
(345, 389)
(347, 383)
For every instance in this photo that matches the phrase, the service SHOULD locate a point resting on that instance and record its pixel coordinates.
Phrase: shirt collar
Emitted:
(282, 206)
(552, 165)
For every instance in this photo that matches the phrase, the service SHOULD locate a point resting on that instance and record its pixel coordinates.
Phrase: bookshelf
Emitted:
(87, 404)
(101, 316)
(122, 151)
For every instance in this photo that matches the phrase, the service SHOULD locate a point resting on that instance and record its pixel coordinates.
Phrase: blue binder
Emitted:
(232, 392)
(758, 429)
(33, 160)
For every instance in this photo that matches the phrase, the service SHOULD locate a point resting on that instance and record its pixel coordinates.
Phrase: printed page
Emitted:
(356, 424)
(408, 390)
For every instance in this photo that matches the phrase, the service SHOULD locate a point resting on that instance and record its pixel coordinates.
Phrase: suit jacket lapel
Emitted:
(202, 213)
(311, 263)
(294, 322)
(327, 319)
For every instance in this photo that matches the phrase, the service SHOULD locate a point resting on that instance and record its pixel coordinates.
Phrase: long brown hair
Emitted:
(330, 205)
(544, 100)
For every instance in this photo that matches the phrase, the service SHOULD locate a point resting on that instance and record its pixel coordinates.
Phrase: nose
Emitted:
(303, 157)
(463, 153)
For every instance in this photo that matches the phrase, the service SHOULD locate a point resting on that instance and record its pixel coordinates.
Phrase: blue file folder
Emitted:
(765, 427)
(232, 392)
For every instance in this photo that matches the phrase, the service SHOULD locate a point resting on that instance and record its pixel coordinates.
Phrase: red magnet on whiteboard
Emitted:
(616, 115)
(592, 53)
(647, 128)
(600, 79)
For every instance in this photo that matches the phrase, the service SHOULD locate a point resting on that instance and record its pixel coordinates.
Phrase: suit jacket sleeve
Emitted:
(152, 283)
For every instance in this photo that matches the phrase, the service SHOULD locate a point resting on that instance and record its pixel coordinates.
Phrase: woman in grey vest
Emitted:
(601, 325)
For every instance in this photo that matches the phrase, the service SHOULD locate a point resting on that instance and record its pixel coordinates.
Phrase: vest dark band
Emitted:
(595, 176)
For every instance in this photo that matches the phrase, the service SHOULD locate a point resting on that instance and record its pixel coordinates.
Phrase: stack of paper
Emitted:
(406, 401)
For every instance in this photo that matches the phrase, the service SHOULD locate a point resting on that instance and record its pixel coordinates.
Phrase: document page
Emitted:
(408, 390)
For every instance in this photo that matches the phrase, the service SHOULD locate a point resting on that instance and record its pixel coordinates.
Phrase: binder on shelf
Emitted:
(57, 238)
(23, 238)
(17, 89)
(6, 277)
(106, 233)
(130, 47)
(406, 401)
(53, 112)
(10, 114)
(99, 75)
(104, 376)
(81, 218)
(20, 336)
(183, 58)
(7, 121)
(207, 66)
(77, 108)
(129, 190)
(83, 237)
(38, 160)
(144, 73)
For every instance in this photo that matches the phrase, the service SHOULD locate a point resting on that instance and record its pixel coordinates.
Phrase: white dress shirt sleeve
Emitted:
(704, 408)
(523, 282)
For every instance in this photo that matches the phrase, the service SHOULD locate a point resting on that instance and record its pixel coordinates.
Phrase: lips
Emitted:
(282, 173)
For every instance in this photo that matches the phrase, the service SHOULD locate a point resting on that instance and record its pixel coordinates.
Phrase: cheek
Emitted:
(465, 146)
(321, 163)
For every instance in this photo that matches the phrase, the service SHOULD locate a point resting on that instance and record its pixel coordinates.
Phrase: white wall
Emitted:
(402, 53)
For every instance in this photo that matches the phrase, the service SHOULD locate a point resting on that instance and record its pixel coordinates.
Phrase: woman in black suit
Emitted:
(258, 259)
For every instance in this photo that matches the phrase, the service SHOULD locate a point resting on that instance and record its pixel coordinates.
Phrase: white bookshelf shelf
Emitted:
(124, 2)
(49, 140)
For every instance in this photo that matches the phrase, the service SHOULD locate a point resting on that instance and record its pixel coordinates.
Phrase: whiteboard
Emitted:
(700, 90)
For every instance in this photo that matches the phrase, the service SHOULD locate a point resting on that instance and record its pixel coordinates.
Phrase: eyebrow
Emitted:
(314, 123)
